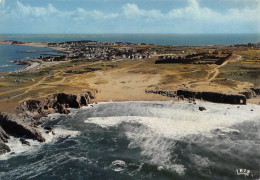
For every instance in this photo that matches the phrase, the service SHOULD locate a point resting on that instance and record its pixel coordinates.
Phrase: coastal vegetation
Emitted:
(125, 78)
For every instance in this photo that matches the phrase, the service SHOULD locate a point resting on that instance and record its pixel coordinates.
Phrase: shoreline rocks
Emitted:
(256, 90)
(4, 148)
(25, 124)
(17, 126)
(214, 97)
(10, 125)
(201, 108)
(208, 96)
(3, 135)
(24, 142)
(55, 103)
(163, 93)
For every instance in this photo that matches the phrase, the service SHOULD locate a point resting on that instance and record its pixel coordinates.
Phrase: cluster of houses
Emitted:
(217, 57)
(93, 50)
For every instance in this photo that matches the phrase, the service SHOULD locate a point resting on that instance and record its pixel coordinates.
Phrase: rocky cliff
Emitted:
(30, 111)
(214, 97)
(15, 126)
(56, 103)
(208, 96)
(3, 139)
(18, 127)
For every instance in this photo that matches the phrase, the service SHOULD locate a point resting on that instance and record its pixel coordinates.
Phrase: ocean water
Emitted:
(13, 52)
(142, 140)
(159, 39)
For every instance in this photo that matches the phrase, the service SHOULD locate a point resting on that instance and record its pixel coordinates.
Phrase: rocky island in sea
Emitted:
(162, 85)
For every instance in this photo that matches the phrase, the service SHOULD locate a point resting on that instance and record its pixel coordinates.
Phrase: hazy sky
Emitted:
(129, 16)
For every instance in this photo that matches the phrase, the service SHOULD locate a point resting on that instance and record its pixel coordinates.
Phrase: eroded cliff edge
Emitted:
(25, 123)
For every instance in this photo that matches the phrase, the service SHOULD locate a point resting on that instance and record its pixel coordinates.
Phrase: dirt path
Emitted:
(29, 89)
(56, 75)
(118, 81)
(216, 69)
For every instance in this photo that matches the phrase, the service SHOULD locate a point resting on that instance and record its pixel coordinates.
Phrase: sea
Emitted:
(10, 53)
(142, 140)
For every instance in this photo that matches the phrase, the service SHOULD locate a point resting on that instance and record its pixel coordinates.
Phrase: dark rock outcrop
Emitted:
(48, 128)
(180, 97)
(61, 108)
(72, 100)
(3, 139)
(30, 113)
(24, 142)
(208, 96)
(4, 148)
(249, 94)
(13, 125)
(3, 135)
(201, 108)
(56, 103)
(214, 97)
(256, 90)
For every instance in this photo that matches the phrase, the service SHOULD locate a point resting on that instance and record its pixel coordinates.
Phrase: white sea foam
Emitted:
(54, 116)
(160, 127)
(17, 148)
(6, 65)
(59, 132)
(201, 161)
(118, 165)
(182, 118)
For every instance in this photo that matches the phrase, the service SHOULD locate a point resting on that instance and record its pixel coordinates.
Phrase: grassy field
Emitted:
(128, 79)
(247, 69)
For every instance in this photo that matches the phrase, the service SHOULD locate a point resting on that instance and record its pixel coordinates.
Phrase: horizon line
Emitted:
(120, 33)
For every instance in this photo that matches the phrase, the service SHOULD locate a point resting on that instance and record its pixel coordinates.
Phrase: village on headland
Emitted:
(98, 51)
(86, 51)
(78, 73)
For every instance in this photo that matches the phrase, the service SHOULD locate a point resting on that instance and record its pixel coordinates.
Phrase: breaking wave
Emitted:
(142, 140)
(160, 129)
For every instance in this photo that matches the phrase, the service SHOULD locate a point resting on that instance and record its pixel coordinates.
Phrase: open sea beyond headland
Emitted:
(158, 39)
(142, 140)
(16, 52)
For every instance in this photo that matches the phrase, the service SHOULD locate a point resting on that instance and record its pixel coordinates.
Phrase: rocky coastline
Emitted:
(208, 96)
(25, 123)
